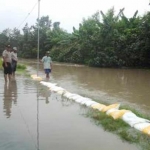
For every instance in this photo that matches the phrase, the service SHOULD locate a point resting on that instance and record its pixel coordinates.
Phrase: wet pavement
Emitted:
(33, 118)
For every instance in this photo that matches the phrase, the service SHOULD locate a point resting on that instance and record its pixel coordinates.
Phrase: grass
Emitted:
(119, 127)
(21, 67)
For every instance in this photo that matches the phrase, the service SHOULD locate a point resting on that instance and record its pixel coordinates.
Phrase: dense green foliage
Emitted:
(102, 40)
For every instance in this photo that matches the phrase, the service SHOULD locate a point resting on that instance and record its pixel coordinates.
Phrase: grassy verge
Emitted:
(21, 68)
(120, 128)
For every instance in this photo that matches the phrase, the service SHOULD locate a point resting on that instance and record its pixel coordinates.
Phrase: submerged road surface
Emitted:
(126, 86)
(33, 118)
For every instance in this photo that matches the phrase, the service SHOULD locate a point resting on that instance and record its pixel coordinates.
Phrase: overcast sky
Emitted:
(68, 12)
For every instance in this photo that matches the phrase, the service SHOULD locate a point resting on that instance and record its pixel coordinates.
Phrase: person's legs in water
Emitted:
(47, 72)
(9, 71)
(47, 75)
(14, 66)
(5, 71)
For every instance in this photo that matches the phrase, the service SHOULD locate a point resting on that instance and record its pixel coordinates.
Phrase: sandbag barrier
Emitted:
(112, 110)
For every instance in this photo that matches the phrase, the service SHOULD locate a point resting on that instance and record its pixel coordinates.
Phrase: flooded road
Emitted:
(126, 86)
(33, 118)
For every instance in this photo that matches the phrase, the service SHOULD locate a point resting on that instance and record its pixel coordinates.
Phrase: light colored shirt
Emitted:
(14, 56)
(47, 62)
(7, 56)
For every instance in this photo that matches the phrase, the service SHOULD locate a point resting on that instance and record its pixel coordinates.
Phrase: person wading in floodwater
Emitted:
(47, 62)
(7, 63)
(14, 60)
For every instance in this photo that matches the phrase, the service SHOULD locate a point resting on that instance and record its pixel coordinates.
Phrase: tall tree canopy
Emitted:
(102, 40)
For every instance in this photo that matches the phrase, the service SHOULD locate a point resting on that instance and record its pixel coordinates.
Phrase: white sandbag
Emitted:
(61, 92)
(48, 83)
(67, 94)
(75, 97)
(90, 103)
(56, 89)
(79, 100)
(85, 100)
(132, 119)
(52, 88)
(141, 126)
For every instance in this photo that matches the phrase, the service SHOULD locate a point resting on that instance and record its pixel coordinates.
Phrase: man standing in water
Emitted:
(7, 63)
(14, 60)
(47, 62)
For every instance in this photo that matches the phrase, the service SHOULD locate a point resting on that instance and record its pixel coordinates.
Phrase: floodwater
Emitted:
(125, 86)
(33, 118)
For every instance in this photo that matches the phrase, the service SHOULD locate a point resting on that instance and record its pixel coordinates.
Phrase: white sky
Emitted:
(68, 12)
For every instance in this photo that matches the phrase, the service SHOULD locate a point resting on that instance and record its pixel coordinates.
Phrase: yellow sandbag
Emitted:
(118, 113)
(98, 106)
(35, 77)
(106, 108)
(146, 130)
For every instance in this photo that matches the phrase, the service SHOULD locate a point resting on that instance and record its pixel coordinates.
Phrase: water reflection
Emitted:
(44, 94)
(38, 133)
(10, 96)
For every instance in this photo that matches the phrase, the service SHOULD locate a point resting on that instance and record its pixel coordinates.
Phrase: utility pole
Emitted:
(38, 45)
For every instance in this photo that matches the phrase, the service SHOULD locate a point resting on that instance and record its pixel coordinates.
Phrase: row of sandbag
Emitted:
(129, 117)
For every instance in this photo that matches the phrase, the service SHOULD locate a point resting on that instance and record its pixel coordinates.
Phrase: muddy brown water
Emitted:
(33, 118)
(126, 86)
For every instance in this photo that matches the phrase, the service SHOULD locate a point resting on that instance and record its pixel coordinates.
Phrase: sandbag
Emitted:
(116, 114)
(90, 103)
(79, 100)
(131, 119)
(146, 130)
(61, 92)
(67, 94)
(142, 126)
(75, 97)
(56, 88)
(98, 106)
(106, 108)
(84, 100)
(35, 77)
